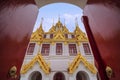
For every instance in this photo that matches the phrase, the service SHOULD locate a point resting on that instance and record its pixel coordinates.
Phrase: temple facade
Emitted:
(58, 55)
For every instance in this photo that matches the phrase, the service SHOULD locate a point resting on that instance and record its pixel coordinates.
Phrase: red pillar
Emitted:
(104, 24)
(17, 19)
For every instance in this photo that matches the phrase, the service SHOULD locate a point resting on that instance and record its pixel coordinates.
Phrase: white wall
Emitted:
(58, 69)
(58, 63)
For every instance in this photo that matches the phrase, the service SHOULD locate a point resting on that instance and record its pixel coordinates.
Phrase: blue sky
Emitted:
(67, 13)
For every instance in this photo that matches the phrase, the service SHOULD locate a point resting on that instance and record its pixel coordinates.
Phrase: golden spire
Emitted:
(59, 24)
(37, 35)
(77, 26)
(40, 29)
(78, 32)
(52, 29)
(41, 21)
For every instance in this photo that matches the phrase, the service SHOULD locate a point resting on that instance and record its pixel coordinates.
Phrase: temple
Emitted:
(58, 55)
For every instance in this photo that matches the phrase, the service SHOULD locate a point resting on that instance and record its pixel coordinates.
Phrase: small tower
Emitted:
(38, 34)
(78, 32)
(40, 29)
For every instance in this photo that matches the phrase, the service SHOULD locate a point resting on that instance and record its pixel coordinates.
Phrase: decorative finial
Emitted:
(41, 20)
(40, 30)
(76, 21)
(59, 18)
(53, 21)
(41, 23)
(64, 21)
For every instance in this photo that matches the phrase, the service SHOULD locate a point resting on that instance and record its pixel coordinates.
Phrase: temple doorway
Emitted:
(35, 76)
(59, 76)
(81, 75)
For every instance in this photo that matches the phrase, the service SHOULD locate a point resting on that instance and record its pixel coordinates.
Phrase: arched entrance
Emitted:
(81, 75)
(35, 76)
(11, 24)
(59, 76)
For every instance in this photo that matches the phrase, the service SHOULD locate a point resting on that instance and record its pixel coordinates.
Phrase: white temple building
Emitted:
(58, 55)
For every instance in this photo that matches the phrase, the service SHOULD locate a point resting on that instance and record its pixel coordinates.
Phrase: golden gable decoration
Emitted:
(38, 58)
(79, 58)
(58, 30)
(59, 35)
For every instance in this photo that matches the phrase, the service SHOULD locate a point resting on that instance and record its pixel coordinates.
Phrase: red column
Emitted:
(104, 23)
(16, 23)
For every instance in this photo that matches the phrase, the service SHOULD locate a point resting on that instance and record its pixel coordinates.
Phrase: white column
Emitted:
(81, 49)
(36, 49)
(65, 49)
(52, 50)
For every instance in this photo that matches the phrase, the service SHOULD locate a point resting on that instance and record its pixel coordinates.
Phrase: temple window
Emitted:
(72, 49)
(72, 36)
(51, 36)
(45, 49)
(66, 35)
(59, 76)
(86, 49)
(30, 48)
(44, 35)
(59, 49)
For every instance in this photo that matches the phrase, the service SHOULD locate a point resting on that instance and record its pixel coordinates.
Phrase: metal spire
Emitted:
(41, 21)
(76, 21)
(64, 21)
(53, 21)
(59, 18)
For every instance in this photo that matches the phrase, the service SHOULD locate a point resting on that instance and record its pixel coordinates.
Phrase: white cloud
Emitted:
(70, 21)
(70, 17)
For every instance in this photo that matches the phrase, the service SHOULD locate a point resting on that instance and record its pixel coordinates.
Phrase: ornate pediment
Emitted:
(58, 26)
(38, 34)
(65, 30)
(59, 35)
(79, 58)
(38, 58)
(79, 34)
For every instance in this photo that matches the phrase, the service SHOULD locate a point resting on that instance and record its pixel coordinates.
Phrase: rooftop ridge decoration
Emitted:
(79, 58)
(38, 58)
(59, 35)
(38, 35)
(79, 34)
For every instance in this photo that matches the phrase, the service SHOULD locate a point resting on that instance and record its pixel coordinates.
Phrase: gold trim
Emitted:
(58, 31)
(38, 58)
(79, 58)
